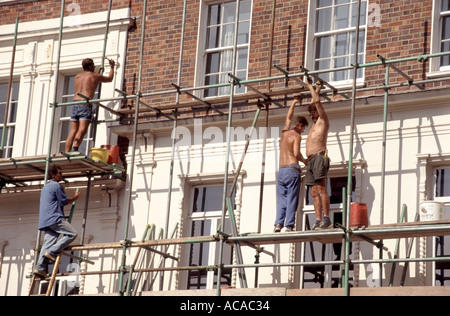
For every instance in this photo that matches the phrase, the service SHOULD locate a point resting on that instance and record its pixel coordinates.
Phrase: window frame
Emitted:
(10, 125)
(187, 185)
(337, 170)
(436, 68)
(428, 164)
(311, 43)
(203, 52)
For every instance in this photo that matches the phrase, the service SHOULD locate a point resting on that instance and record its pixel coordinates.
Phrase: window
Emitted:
(332, 38)
(205, 218)
(443, 182)
(328, 276)
(442, 243)
(8, 141)
(66, 112)
(440, 36)
(219, 44)
(445, 33)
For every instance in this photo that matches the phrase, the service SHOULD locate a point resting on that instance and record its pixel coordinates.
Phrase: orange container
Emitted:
(358, 215)
(113, 153)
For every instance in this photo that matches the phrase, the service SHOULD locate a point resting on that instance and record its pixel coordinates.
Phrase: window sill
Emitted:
(438, 74)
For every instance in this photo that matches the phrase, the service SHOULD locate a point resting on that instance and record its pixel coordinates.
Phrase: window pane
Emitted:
(245, 10)
(443, 182)
(229, 12)
(341, 45)
(323, 47)
(214, 15)
(2, 113)
(324, 3)
(242, 60)
(323, 20)
(445, 5)
(362, 13)
(446, 28)
(244, 33)
(228, 35)
(212, 37)
(341, 16)
(445, 60)
(212, 63)
(207, 199)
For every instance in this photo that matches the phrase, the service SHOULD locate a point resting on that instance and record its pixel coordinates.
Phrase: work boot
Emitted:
(325, 224)
(277, 228)
(49, 257)
(41, 273)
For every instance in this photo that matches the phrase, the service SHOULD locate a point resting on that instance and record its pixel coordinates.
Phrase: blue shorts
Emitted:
(81, 113)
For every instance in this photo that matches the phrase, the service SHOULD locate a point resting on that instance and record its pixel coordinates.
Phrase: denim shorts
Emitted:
(81, 113)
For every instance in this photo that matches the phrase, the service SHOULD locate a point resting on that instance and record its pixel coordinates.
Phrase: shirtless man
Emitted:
(319, 163)
(86, 83)
(288, 180)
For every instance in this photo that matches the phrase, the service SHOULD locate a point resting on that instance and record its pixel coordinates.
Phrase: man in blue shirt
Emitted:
(52, 220)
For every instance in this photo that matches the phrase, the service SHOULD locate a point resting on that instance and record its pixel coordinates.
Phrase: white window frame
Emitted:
(187, 184)
(337, 170)
(428, 164)
(202, 51)
(312, 35)
(10, 125)
(436, 69)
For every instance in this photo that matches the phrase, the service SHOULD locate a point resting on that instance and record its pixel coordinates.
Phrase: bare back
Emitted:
(86, 83)
(289, 147)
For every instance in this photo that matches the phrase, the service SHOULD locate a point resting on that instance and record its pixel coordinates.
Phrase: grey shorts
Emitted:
(81, 113)
(317, 168)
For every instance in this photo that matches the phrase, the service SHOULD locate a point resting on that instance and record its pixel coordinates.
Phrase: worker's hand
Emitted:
(112, 63)
(77, 195)
(298, 99)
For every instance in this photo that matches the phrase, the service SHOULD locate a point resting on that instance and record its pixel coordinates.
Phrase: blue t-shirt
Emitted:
(53, 199)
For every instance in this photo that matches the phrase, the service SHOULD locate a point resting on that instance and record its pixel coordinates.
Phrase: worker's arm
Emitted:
(74, 198)
(297, 153)
(110, 78)
(290, 114)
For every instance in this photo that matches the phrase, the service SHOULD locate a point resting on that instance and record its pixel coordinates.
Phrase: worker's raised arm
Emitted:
(315, 96)
(110, 78)
(290, 114)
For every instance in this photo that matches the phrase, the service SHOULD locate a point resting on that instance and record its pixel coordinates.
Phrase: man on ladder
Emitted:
(52, 221)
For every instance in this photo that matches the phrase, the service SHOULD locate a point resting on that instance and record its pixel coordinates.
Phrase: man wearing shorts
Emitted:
(318, 161)
(86, 83)
(288, 179)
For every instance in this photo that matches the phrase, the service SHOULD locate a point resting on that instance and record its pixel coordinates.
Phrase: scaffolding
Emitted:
(15, 170)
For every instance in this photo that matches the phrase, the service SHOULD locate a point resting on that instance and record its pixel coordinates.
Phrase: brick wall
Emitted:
(405, 31)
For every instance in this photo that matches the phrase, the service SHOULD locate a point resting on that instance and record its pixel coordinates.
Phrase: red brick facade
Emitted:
(405, 31)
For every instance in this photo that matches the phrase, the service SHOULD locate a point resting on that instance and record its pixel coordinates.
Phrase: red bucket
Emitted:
(358, 215)
(113, 153)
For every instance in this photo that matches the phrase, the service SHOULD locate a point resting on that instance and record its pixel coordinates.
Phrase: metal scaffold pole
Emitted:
(351, 149)
(133, 153)
(53, 112)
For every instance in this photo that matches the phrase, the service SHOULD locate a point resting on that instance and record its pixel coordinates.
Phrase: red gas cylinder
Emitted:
(113, 153)
(358, 215)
